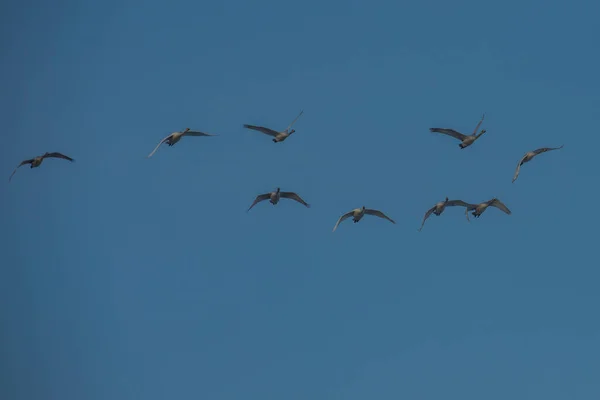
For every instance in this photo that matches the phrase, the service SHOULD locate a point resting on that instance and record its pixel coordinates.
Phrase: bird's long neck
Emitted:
(480, 133)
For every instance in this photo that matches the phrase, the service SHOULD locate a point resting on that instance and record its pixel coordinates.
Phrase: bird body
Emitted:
(36, 162)
(358, 214)
(275, 196)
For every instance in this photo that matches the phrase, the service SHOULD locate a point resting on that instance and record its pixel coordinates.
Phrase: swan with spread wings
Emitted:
(358, 213)
(465, 140)
(277, 136)
(529, 156)
(275, 196)
(175, 137)
(37, 161)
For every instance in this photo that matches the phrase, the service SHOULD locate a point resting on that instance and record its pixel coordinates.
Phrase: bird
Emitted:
(439, 208)
(481, 207)
(466, 140)
(176, 137)
(358, 213)
(275, 196)
(37, 161)
(277, 136)
(529, 156)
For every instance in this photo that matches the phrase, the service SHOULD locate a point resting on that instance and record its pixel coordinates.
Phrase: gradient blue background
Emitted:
(131, 278)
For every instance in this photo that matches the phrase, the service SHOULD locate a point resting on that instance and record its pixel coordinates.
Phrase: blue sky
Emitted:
(124, 277)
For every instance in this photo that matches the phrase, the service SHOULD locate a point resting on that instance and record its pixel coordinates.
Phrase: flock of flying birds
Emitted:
(358, 213)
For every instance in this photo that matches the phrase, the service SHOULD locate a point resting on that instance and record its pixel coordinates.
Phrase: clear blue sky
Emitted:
(124, 277)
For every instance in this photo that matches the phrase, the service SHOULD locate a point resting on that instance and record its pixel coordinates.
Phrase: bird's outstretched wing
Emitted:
(197, 133)
(427, 214)
(500, 205)
(262, 129)
(545, 149)
(56, 154)
(158, 145)
(478, 125)
(460, 203)
(22, 163)
(258, 199)
(342, 218)
(294, 121)
(449, 132)
(516, 175)
(379, 214)
(293, 196)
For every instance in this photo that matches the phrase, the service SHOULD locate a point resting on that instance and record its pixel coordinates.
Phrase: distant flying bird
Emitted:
(481, 207)
(176, 137)
(466, 140)
(278, 136)
(441, 206)
(274, 198)
(37, 161)
(530, 155)
(358, 213)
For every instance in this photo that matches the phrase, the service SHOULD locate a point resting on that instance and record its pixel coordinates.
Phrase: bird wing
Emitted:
(56, 154)
(197, 133)
(427, 214)
(450, 132)
(379, 214)
(294, 121)
(545, 149)
(461, 203)
(498, 204)
(516, 175)
(293, 196)
(158, 145)
(259, 198)
(478, 125)
(262, 129)
(22, 163)
(342, 218)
